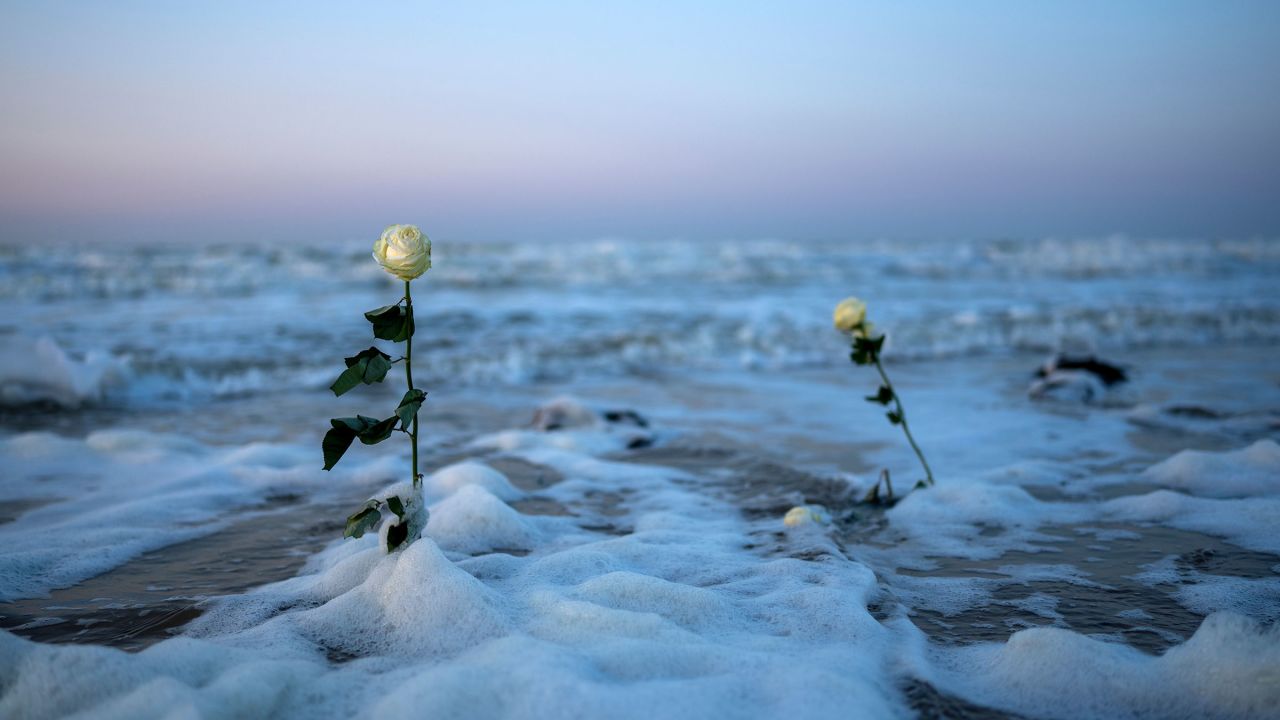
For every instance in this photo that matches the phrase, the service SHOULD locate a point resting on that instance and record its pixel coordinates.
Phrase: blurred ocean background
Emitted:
(130, 328)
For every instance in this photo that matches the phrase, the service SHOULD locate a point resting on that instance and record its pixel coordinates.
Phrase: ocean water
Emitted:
(226, 321)
(172, 544)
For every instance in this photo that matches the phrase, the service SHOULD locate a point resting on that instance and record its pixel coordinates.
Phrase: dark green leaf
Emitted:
(367, 366)
(371, 431)
(379, 431)
(395, 506)
(362, 520)
(884, 395)
(894, 417)
(860, 357)
(335, 443)
(396, 535)
(391, 322)
(409, 405)
(870, 346)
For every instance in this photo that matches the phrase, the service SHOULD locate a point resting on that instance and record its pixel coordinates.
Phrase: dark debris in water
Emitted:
(1108, 373)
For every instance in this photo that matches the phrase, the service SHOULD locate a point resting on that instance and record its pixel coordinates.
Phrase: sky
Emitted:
(325, 121)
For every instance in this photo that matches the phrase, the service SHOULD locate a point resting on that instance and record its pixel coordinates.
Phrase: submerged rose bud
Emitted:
(803, 515)
(850, 314)
(403, 251)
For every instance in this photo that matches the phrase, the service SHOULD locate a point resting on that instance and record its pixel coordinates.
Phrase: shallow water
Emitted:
(762, 467)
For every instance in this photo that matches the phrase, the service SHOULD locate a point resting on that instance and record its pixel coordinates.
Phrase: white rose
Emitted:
(850, 314)
(403, 251)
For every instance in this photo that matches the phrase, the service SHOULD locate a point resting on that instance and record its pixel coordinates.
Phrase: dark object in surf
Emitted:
(566, 413)
(1106, 372)
(625, 416)
(1194, 412)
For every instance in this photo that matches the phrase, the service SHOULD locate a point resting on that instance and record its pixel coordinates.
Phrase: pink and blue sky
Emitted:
(324, 121)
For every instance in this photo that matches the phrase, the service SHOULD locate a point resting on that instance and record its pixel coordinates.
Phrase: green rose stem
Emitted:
(408, 373)
(404, 252)
(902, 417)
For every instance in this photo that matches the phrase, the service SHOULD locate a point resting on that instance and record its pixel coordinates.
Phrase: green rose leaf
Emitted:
(884, 395)
(409, 405)
(335, 444)
(367, 366)
(396, 535)
(395, 506)
(371, 431)
(894, 418)
(870, 346)
(391, 322)
(362, 520)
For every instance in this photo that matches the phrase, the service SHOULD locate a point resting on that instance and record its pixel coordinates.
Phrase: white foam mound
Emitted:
(474, 520)
(682, 604)
(180, 678)
(413, 602)
(39, 370)
(1248, 472)
(450, 479)
(959, 519)
(1229, 669)
(1248, 522)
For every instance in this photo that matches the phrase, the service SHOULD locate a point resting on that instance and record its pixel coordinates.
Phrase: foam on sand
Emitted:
(955, 519)
(474, 520)
(651, 595)
(1249, 472)
(670, 619)
(1230, 668)
(1247, 522)
(448, 480)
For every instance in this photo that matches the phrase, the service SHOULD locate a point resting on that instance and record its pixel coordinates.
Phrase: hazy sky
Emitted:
(315, 121)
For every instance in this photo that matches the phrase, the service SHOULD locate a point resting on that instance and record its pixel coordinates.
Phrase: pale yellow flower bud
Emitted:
(803, 515)
(403, 251)
(849, 314)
